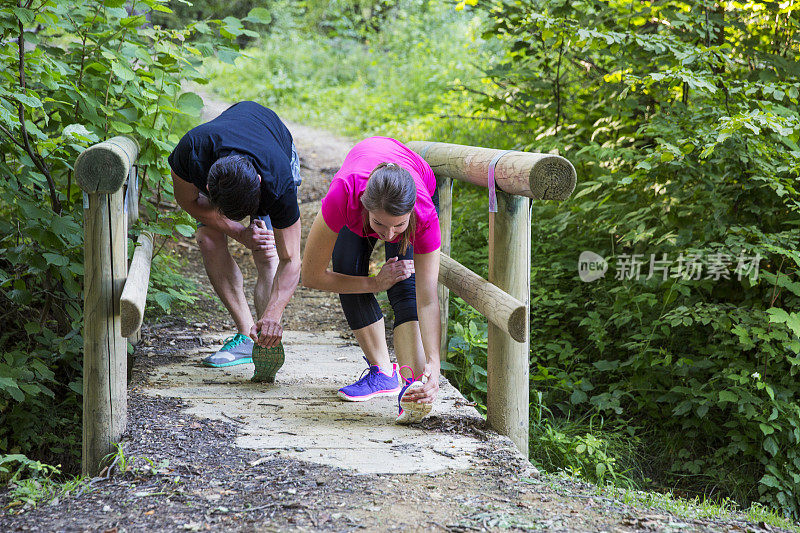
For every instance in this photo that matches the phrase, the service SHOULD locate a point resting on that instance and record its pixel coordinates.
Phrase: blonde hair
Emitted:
(391, 188)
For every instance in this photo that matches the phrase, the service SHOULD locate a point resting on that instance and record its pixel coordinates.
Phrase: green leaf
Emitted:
(79, 132)
(10, 386)
(259, 15)
(122, 71)
(771, 446)
(55, 259)
(770, 481)
(728, 396)
(120, 127)
(577, 396)
(777, 315)
(190, 103)
(766, 429)
(185, 230)
(164, 300)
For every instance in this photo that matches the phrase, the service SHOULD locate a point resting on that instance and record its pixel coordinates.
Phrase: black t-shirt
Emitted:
(252, 130)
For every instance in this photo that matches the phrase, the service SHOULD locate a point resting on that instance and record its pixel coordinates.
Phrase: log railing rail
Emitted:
(505, 298)
(113, 297)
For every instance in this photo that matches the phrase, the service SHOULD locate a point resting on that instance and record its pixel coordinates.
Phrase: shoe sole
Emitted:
(387, 392)
(242, 361)
(267, 362)
(413, 412)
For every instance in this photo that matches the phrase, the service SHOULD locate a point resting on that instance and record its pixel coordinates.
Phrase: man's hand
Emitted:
(430, 386)
(393, 271)
(267, 332)
(256, 236)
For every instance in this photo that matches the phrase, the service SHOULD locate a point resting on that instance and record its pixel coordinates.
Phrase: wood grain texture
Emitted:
(508, 360)
(445, 187)
(505, 311)
(105, 351)
(534, 175)
(134, 294)
(104, 167)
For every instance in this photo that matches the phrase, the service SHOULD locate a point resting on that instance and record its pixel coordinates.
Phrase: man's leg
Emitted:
(225, 276)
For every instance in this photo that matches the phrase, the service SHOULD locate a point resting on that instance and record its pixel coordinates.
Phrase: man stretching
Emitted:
(243, 164)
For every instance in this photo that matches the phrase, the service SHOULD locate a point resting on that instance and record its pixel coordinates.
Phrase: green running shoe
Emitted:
(267, 362)
(237, 350)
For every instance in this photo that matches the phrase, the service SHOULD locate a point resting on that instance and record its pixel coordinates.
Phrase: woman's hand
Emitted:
(430, 386)
(393, 271)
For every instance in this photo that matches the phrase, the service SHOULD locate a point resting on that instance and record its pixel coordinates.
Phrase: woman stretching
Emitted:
(383, 191)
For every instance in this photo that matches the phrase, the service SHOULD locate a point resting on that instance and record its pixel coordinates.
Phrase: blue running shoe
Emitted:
(411, 412)
(373, 383)
(237, 350)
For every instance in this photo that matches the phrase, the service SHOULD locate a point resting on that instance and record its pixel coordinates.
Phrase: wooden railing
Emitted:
(114, 297)
(505, 298)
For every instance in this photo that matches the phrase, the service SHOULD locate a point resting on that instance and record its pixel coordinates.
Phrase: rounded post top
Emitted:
(104, 167)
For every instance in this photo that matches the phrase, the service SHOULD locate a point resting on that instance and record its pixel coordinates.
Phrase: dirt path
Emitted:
(183, 470)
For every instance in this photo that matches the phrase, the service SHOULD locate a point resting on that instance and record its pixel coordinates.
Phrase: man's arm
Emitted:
(188, 197)
(268, 329)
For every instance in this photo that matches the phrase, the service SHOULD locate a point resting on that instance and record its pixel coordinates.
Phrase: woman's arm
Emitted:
(314, 273)
(430, 327)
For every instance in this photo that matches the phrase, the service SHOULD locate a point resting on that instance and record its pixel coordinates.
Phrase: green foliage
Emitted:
(32, 482)
(465, 366)
(74, 73)
(681, 119)
(404, 81)
(169, 290)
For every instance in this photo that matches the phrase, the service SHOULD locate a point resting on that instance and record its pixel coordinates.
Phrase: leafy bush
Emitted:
(682, 121)
(74, 73)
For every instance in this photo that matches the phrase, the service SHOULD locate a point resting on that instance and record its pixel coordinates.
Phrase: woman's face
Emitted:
(388, 227)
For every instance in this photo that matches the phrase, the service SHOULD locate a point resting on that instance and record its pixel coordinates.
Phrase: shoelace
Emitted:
(412, 379)
(369, 371)
(233, 340)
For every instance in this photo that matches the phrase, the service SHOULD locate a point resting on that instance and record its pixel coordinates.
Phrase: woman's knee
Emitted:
(360, 310)
(403, 299)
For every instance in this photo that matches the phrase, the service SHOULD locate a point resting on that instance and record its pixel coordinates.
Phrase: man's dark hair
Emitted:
(234, 187)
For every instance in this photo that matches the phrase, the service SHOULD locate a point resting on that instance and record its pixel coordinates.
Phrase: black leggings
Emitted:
(351, 256)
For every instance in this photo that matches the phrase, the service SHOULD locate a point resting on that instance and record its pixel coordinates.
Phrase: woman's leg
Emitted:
(403, 299)
(362, 311)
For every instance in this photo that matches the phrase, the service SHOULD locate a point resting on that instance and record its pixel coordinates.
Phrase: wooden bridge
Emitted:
(299, 415)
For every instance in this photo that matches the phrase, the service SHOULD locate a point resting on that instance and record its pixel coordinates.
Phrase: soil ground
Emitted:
(181, 472)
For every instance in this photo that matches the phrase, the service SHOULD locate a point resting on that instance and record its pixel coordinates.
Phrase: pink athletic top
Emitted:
(342, 205)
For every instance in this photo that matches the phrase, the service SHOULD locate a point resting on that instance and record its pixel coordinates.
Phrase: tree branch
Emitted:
(55, 203)
(11, 137)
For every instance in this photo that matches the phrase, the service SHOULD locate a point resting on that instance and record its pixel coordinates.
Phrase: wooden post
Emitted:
(508, 360)
(104, 348)
(101, 171)
(445, 221)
